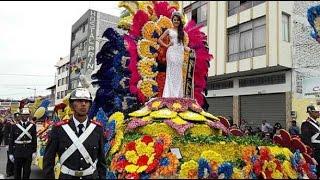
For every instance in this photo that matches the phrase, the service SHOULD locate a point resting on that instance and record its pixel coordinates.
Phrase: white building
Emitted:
(62, 78)
(261, 50)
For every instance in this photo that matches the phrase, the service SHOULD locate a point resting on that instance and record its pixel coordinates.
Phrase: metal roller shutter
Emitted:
(221, 106)
(269, 107)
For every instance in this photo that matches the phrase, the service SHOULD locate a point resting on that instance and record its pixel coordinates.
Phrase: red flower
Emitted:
(161, 78)
(131, 146)
(158, 147)
(132, 176)
(121, 165)
(257, 168)
(143, 160)
(278, 163)
(152, 166)
(147, 139)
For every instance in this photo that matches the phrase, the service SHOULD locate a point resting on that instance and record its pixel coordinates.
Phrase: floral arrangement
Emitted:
(149, 87)
(180, 114)
(113, 76)
(145, 157)
(147, 68)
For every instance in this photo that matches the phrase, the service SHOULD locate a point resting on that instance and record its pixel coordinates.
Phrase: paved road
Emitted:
(36, 173)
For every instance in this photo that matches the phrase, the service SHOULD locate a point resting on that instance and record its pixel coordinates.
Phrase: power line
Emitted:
(21, 85)
(37, 75)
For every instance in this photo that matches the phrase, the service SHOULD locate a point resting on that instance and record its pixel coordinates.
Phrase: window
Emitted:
(247, 39)
(58, 95)
(65, 92)
(285, 27)
(62, 94)
(59, 70)
(263, 80)
(62, 81)
(59, 81)
(237, 6)
(197, 12)
(67, 80)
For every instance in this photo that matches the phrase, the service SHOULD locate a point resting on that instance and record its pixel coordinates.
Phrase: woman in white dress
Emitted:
(173, 86)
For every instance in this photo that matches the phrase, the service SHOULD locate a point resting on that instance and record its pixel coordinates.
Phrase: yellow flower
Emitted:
(131, 168)
(146, 86)
(151, 158)
(289, 171)
(237, 174)
(210, 116)
(119, 117)
(118, 141)
(177, 105)
(269, 165)
(144, 47)
(141, 169)
(156, 104)
(141, 112)
(125, 23)
(141, 148)
(164, 23)
(163, 113)
(277, 175)
(145, 68)
(189, 115)
(132, 156)
(147, 118)
(179, 121)
(149, 29)
(212, 156)
(189, 170)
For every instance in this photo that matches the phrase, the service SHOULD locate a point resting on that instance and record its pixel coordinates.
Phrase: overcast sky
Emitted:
(34, 35)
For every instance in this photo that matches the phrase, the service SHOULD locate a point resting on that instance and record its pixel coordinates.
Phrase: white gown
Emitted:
(174, 84)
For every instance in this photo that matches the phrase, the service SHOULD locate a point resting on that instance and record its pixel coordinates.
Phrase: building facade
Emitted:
(62, 79)
(261, 52)
(86, 42)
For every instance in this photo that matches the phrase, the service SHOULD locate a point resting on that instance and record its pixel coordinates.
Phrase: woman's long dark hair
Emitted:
(180, 29)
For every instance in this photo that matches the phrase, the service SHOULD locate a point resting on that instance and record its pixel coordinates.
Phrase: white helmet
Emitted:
(80, 93)
(25, 111)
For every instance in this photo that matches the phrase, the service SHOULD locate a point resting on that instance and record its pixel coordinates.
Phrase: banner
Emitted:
(189, 85)
(311, 88)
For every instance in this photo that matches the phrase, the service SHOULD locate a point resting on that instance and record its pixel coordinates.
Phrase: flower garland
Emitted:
(180, 128)
(151, 31)
(164, 23)
(147, 48)
(148, 87)
(136, 122)
(148, 68)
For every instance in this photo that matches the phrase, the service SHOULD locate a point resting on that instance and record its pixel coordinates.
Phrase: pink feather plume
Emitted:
(139, 19)
(163, 8)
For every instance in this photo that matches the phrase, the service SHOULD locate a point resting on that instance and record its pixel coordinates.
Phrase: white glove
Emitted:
(34, 155)
(11, 158)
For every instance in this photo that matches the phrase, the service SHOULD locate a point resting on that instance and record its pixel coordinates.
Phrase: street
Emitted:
(36, 173)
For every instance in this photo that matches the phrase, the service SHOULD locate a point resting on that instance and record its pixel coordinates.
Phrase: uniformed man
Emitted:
(7, 130)
(79, 143)
(23, 145)
(310, 132)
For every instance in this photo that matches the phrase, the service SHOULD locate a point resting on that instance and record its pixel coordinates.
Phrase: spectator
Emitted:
(267, 137)
(266, 127)
(294, 129)
(1, 132)
(276, 128)
(248, 131)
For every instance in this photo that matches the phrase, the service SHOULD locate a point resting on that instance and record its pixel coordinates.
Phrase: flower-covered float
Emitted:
(150, 137)
(174, 137)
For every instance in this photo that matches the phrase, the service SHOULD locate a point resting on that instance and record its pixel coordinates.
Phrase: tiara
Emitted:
(175, 13)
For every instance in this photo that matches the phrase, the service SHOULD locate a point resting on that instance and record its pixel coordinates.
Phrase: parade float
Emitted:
(151, 137)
